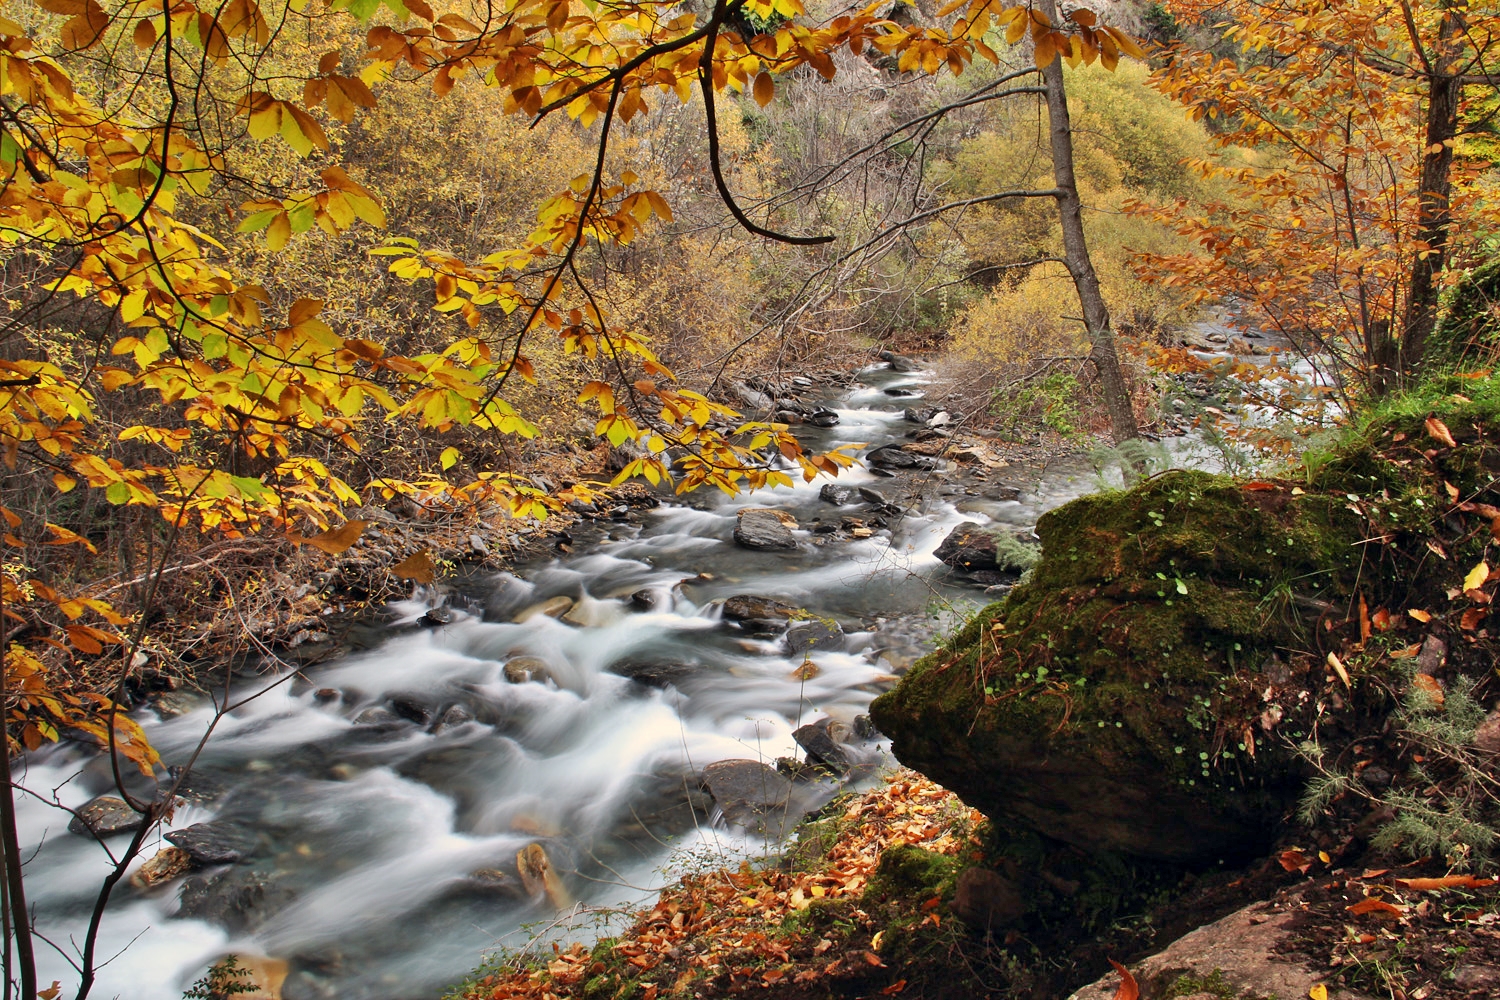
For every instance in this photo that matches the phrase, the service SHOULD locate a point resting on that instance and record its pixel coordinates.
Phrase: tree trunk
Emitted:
(1075, 250)
(1434, 218)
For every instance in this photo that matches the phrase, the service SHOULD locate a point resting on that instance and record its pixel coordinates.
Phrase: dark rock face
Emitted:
(746, 607)
(436, 617)
(214, 843)
(920, 414)
(653, 673)
(815, 636)
(893, 456)
(823, 418)
(749, 793)
(986, 900)
(104, 816)
(762, 529)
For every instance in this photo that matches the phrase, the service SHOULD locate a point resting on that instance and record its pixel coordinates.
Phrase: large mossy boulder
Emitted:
(1468, 336)
(1144, 691)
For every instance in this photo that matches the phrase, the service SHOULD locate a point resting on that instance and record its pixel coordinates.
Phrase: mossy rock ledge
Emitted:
(1142, 693)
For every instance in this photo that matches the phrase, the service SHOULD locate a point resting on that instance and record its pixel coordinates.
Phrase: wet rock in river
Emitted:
(744, 607)
(647, 599)
(820, 741)
(411, 709)
(759, 528)
(747, 791)
(239, 900)
(893, 456)
(817, 635)
(900, 362)
(540, 876)
(377, 716)
(521, 669)
(163, 866)
(978, 550)
(104, 816)
(823, 418)
(553, 607)
(873, 496)
(214, 843)
(919, 414)
(835, 494)
(435, 617)
(653, 673)
(453, 717)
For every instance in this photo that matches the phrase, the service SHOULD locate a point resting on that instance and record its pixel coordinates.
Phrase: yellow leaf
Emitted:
(449, 458)
(1338, 668)
(1318, 992)
(765, 88)
(1477, 576)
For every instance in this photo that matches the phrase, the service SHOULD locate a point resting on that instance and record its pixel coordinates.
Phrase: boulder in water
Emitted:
(823, 418)
(760, 528)
(821, 742)
(215, 843)
(919, 414)
(523, 669)
(748, 792)
(748, 607)
(239, 900)
(900, 362)
(540, 877)
(553, 607)
(436, 617)
(974, 549)
(835, 494)
(104, 816)
(163, 866)
(893, 456)
(816, 635)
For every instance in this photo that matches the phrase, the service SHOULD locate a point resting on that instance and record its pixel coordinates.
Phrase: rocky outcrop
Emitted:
(975, 549)
(105, 816)
(1233, 957)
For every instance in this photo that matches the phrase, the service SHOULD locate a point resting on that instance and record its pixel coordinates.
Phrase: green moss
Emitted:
(1213, 984)
(912, 873)
(1469, 333)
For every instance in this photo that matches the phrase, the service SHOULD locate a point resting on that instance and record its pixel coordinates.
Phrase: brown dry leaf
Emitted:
(335, 541)
(1364, 620)
(1471, 619)
(1381, 619)
(1295, 861)
(1338, 668)
(1452, 491)
(1380, 906)
(1128, 989)
(1436, 549)
(1259, 485)
(873, 959)
(1446, 882)
(894, 988)
(1429, 684)
(1419, 615)
(418, 567)
(1375, 873)
(1439, 432)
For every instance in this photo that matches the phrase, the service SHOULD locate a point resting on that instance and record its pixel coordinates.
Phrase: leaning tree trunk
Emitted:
(1434, 214)
(1076, 252)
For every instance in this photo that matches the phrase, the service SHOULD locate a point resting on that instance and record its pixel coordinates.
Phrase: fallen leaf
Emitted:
(335, 541)
(1419, 615)
(894, 988)
(1318, 992)
(1428, 684)
(1294, 860)
(1452, 491)
(1373, 905)
(418, 567)
(1446, 882)
(1323, 857)
(1407, 652)
(874, 959)
(1470, 619)
(1381, 619)
(1259, 485)
(1436, 549)
(1477, 576)
(1439, 432)
(1364, 620)
(1128, 989)
(876, 940)
(1338, 668)
(1375, 873)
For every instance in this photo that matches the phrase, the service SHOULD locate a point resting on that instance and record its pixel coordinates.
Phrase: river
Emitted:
(377, 804)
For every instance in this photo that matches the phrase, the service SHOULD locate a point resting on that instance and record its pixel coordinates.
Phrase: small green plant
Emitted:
(224, 979)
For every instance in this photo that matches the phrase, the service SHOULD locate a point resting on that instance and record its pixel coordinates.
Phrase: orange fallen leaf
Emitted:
(1470, 619)
(1446, 882)
(894, 988)
(1381, 619)
(1364, 620)
(334, 541)
(1128, 988)
(1428, 684)
(1295, 861)
(1373, 905)
(417, 567)
(874, 959)
(1438, 431)
(1259, 485)
(1419, 614)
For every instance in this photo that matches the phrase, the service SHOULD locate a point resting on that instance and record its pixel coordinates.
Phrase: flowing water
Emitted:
(379, 803)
